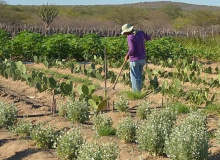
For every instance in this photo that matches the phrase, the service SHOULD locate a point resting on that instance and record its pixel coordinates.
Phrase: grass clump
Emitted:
(143, 110)
(212, 108)
(23, 128)
(122, 104)
(179, 108)
(134, 95)
(103, 125)
(126, 130)
(8, 114)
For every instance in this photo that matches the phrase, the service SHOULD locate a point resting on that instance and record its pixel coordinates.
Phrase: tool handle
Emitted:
(116, 80)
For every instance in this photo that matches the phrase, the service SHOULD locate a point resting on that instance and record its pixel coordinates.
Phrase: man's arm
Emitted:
(147, 37)
(131, 46)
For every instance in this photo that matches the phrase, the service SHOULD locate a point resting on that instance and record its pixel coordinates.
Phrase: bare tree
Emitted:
(47, 13)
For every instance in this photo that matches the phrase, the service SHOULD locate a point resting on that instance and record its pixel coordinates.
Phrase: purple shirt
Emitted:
(136, 44)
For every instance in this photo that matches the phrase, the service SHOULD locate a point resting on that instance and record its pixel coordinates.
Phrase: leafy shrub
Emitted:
(68, 144)
(77, 111)
(102, 123)
(27, 45)
(107, 151)
(122, 104)
(126, 130)
(44, 135)
(58, 46)
(90, 45)
(4, 40)
(8, 114)
(151, 134)
(23, 128)
(143, 110)
(189, 140)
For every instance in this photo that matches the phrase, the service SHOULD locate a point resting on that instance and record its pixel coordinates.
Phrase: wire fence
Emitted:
(13, 30)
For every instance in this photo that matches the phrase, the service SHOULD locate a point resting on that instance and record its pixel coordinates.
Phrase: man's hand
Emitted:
(126, 57)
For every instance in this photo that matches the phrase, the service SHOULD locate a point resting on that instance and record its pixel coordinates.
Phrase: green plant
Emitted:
(179, 107)
(77, 111)
(143, 110)
(102, 122)
(23, 128)
(122, 104)
(62, 110)
(95, 151)
(134, 95)
(151, 134)
(189, 140)
(44, 135)
(126, 130)
(212, 108)
(69, 143)
(8, 114)
(106, 131)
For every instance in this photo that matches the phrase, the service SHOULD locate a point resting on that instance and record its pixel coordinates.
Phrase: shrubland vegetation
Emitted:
(156, 15)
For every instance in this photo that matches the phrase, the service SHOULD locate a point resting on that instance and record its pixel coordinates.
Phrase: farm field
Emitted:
(180, 90)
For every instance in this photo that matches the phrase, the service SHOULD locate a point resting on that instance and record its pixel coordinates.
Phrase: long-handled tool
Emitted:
(116, 80)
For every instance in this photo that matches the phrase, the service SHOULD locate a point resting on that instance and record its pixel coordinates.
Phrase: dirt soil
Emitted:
(36, 106)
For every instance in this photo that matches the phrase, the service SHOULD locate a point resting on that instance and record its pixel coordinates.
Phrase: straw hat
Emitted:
(126, 28)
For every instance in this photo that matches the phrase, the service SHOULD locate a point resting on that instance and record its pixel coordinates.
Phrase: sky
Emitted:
(103, 2)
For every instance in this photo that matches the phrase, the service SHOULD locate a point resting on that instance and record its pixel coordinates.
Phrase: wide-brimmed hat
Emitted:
(126, 28)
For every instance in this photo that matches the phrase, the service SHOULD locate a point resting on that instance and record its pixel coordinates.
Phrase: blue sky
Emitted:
(93, 2)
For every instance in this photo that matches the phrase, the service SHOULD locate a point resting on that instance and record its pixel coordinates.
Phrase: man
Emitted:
(136, 54)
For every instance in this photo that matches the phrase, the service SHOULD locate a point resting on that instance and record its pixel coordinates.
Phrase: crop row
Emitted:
(158, 133)
(26, 45)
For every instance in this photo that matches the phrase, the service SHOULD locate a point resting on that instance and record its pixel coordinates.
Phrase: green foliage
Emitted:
(27, 44)
(122, 104)
(58, 46)
(105, 151)
(143, 110)
(91, 45)
(179, 108)
(77, 111)
(151, 134)
(69, 143)
(102, 123)
(189, 140)
(106, 131)
(44, 135)
(126, 130)
(212, 108)
(23, 128)
(115, 47)
(4, 40)
(134, 95)
(8, 114)
(165, 48)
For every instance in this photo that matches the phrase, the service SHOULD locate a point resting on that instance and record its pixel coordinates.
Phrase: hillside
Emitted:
(184, 6)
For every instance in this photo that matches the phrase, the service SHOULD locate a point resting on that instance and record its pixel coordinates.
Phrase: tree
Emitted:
(47, 13)
(122, 15)
(172, 10)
